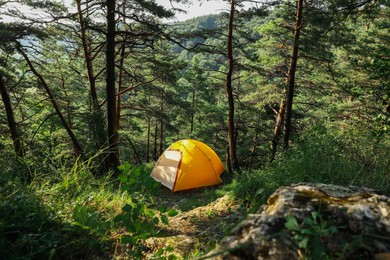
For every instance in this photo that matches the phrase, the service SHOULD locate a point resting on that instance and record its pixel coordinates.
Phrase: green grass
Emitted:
(30, 230)
(319, 156)
(68, 212)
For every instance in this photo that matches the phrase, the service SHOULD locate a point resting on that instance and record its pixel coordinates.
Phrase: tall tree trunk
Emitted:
(67, 109)
(193, 110)
(96, 122)
(77, 146)
(87, 54)
(120, 83)
(254, 144)
(278, 126)
(291, 73)
(161, 148)
(13, 127)
(148, 143)
(113, 138)
(229, 91)
(120, 76)
(228, 161)
(136, 156)
(155, 140)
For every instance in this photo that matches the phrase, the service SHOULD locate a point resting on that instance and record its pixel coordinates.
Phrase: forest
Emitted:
(93, 93)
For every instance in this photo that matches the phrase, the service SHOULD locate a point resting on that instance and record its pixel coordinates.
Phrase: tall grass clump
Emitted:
(31, 230)
(140, 218)
(27, 230)
(324, 155)
(61, 212)
(65, 210)
(82, 200)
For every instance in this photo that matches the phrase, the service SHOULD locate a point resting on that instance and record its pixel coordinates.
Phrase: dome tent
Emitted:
(188, 164)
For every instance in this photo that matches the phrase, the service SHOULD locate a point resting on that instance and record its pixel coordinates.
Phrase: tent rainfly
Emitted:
(188, 164)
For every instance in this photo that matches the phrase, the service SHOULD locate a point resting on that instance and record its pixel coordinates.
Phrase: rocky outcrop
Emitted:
(318, 221)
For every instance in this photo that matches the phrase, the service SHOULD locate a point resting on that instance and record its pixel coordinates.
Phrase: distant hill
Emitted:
(206, 22)
(208, 29)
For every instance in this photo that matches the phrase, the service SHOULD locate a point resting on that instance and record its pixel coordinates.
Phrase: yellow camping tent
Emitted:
(188, 164)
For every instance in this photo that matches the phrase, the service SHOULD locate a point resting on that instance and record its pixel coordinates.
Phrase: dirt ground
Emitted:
(197, 230)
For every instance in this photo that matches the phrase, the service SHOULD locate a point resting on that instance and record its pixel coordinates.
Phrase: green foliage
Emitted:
(140, 221)
(31, 230)
(341, 117)
(26, 228)
(324, 155)
(14, 169)
(69, 215)
(165, 254)
(90, 219)
(135, 178)
(321, 235)
(309, 235)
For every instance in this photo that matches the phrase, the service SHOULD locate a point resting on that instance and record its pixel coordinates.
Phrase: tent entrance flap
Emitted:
(167, 168)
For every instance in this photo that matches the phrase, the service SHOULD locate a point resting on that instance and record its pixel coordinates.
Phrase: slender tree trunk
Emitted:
(148, 143)
(67, 111)
(161, 148)
(278, 126)
(120, 76)
(291, 73)
(87, 54)
(229, 91)
(254, 144)
(155, 141)
(113, 138)
(120, 83)
(193, 110)
(136, 156)
(228, 161)
(77, 146)
(13, 127)
(96, 122)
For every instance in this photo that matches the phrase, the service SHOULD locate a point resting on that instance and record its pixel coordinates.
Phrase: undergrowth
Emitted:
(73, 214)
(319, 156)
(31, 230)
(68, 212)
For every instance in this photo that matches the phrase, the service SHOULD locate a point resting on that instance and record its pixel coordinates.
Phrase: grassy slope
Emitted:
(70, 213)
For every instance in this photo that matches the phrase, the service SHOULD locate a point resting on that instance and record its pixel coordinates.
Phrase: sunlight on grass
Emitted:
(74, 209)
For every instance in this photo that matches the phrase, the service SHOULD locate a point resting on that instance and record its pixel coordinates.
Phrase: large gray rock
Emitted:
(314, 220)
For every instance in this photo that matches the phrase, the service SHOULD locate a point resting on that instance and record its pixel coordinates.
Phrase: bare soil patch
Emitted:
(197, 230)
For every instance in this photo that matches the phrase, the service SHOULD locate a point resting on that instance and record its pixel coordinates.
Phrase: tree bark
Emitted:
(229, 91)
(155, 140)
(193, 109)
(120, 76)
(161, 148)
(291, 73)
(87, 54)
(113, 138)
(96, 122)
(77, 146)
(278, 126)
(15, 134)
(136, 156)
(148, 143)
(254, 144)
(120, 84)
